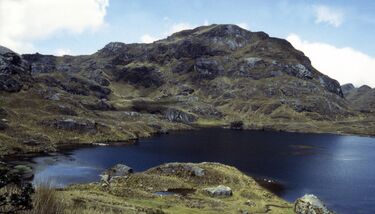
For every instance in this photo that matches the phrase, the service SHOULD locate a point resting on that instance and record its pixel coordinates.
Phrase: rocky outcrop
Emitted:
(144, 76)
(100, 105)
(220, 190)
(117, 170)
(310, 204)
(361, 99)
(175, 115)
(74, 125)
(183, 169)
(236, 125)
(347, 88)
(14, 71)
(3, 125)
(208, 68)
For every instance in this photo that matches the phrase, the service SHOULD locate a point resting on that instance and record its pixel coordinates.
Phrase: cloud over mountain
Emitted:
(24, 21)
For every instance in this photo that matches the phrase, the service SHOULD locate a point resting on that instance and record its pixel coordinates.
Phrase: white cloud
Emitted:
(24, 21)
(243, 25)
(62, 52)
(177, 27)
(343, 64)
(148, 39)
(325, 14)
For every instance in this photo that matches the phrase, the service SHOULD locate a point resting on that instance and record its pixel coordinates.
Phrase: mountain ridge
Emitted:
(211, 75)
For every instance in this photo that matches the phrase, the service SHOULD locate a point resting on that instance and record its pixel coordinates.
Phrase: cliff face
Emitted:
(14, 71)
(209, 75)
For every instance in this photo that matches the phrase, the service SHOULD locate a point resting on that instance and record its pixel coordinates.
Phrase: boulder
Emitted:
(75, 125)
(182, 169)
(310, 204)
(3, 113)
(141, 75)
(24, 171)
(3, 126)
(208, 68)
(14, 71)
(116, 171)
(175, 115)
(347, 88)
(236, 125)
(220, 190)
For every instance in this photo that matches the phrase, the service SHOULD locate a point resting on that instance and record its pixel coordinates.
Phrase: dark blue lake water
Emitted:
(338, 169)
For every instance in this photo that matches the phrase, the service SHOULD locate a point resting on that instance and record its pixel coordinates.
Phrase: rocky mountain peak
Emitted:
(4, 50)
(364, 88)
(14, 71)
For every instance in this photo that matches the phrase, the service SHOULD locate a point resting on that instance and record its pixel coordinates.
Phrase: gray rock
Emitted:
(220, 190)
(3, 113)
(347, 88)
(14, 71)
(131, 114)
(310, 204)
(253, 61)
(31, 142)
(74, 125)
(105, 178)
(3, 126)
(145, 76)
(54, 97)
(175, 115)
(303, 72)
(331, 85)
(23, 170)
(207, 68)
(4, 50)
(117, 170)
(183, 168)
(236, 125)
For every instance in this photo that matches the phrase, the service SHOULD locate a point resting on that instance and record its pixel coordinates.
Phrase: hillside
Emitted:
(362, 98)
(211, 75)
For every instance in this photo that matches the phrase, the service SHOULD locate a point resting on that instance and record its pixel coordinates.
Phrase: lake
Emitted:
(338, 169)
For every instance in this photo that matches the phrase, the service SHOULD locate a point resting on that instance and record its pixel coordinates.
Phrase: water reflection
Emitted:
(336, 168)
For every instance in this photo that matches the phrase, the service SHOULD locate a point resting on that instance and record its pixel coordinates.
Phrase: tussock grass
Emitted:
(46, 200)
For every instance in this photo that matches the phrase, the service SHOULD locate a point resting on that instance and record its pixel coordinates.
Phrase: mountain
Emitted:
(361, 99)
(211, 75)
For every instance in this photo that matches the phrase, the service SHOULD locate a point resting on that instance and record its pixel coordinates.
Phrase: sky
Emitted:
(337, 35)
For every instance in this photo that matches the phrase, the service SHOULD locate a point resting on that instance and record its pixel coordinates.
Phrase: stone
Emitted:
(118, 170)
(31, 142)
(220, 190)
(175, 115)
(145, 76)
(250, 203)
(310, 204)
(14, 71)
(183, 168)
(104, 178)
(252, 62)
(3, 113)
(3, 126)
(347, 88)
(54, 97)
(207, 68)
(236, 125)
(23, 170)
(74, 125)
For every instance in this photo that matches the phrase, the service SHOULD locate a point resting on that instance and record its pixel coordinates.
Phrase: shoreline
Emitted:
(62, 148)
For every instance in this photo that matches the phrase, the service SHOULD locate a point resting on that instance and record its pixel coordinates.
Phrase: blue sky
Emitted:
(338, 28)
